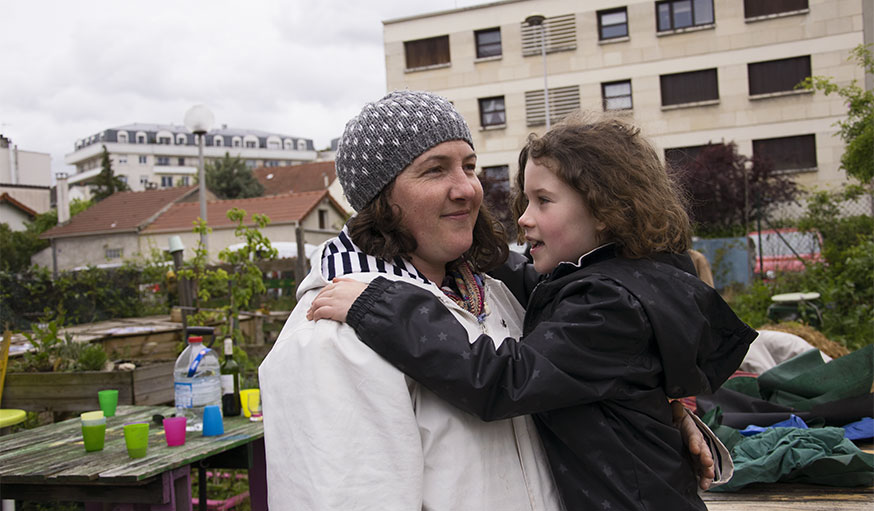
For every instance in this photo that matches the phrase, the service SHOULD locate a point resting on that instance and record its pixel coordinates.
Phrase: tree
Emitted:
(857, 131)
(727, 189)
(230, 178)
(107, 183)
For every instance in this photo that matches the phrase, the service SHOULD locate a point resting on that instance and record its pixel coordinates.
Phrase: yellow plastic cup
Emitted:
(244, 401)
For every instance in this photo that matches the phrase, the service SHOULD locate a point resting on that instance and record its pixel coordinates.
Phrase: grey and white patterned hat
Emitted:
(388, 135)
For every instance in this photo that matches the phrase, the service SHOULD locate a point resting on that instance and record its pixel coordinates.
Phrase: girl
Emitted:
(618, 324)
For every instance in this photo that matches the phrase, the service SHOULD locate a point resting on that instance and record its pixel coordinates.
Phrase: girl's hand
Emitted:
(335, 299)
(698, 451)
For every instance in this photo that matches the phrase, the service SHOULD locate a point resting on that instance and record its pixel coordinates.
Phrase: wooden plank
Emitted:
(54, 454)
(781, 496)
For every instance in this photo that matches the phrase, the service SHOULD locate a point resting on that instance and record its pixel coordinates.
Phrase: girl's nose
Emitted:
(525, 220)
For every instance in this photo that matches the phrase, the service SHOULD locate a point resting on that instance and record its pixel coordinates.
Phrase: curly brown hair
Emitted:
(620, 178)
(377, 230)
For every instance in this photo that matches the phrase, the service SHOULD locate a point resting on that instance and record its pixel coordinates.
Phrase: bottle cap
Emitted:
(195, 338)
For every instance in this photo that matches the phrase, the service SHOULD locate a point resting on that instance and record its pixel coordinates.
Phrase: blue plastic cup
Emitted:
(212, 421)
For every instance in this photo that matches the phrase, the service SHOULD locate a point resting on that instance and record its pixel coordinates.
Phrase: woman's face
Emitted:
(439, 196)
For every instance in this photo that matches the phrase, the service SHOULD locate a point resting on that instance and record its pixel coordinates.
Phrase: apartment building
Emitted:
(689, 72)
(154, 156)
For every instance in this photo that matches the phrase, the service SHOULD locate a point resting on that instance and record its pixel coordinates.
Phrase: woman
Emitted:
(343, 428)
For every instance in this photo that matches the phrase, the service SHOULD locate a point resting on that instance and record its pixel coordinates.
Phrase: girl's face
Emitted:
(557, 224)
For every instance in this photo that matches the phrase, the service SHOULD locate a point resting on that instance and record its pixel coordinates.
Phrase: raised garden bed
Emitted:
(148, 384)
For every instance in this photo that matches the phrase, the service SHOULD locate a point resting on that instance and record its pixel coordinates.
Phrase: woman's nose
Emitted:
(464, 185)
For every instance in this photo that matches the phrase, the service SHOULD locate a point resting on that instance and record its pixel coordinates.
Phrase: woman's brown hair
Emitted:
(621, 180)
(377, 230)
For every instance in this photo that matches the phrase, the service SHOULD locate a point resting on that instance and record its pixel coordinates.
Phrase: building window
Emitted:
(143, 159)
(491, 112)
(616, 95)
(683, 157)
(496, 178)
(323, 219)
(562, 101)
(237, 142)
(756, 8)
(301, 145)
(113, 253)
(677, 14)
(690, 87)
(122, 137)
(251, 144)
(271, 163)
(144, 179)
(788, 154)
(427, 52)
(560, 34)
(162, 160)
(122, 178)
(488, 43)
(122, 159)
(777, 75)
(251, 164)
(184, 180)
(181, 139)
(217, 141)
(612, 24)
(165, 140)
(166, 181)
(141, 138)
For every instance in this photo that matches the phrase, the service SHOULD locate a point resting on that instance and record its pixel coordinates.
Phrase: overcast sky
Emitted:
(72, 68)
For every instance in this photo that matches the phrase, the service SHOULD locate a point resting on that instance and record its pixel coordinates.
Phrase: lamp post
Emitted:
(532, 21)
(198, 120)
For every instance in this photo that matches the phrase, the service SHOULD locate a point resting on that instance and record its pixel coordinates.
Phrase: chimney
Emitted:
(63, 193)
(325, 175)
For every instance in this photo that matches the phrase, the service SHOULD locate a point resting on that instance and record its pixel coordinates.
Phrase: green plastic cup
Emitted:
(108, 401)
(93, 431)
(136, 438)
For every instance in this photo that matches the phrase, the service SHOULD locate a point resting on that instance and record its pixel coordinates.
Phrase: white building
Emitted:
(689, 72)
(25, 184)
(150, 156)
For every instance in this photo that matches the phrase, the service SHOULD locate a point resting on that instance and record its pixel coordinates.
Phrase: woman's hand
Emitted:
(699, 451)
(335, 299)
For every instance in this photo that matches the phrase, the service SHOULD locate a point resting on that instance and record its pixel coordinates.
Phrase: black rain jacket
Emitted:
(606, 341)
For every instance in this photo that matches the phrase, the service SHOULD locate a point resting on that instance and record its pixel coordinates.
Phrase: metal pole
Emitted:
(201, 177)
(543, 56)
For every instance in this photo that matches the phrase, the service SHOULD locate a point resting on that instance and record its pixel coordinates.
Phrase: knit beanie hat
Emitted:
(388, 135)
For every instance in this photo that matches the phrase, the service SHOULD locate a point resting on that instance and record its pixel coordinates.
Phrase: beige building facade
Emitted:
(689, 72)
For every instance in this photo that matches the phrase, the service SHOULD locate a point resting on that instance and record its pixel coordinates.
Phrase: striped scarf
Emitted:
(342, 257)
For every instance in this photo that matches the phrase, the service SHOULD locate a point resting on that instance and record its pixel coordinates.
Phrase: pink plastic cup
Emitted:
(174, 430)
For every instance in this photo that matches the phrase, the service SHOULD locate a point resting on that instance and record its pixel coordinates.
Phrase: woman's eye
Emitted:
(470, 167)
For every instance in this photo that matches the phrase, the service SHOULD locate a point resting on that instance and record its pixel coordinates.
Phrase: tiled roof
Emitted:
(305, 177)
(285, 208)
(120, 212)
(5, 197)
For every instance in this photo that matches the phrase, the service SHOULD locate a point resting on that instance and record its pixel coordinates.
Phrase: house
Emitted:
(304, 177)
(13, 213)
(109, 231)
(688, 72)
(25, 177)
(149, 156)
(320, 216)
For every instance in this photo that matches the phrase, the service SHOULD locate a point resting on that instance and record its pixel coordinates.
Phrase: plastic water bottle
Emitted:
(197, 382)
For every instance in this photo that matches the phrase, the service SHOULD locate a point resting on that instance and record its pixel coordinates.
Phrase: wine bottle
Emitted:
(230, 371)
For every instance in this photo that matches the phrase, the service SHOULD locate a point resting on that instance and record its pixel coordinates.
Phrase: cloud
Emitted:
(294, 67)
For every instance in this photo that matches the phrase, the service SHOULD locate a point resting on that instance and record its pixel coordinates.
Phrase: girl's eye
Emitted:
(543, 200)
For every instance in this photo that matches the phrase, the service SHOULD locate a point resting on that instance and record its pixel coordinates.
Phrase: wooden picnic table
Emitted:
(49, 463)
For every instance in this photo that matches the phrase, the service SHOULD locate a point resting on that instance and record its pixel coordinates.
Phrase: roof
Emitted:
(5, 197)
(120, 212)
(175, 128)
(285, 208)
(305, 177)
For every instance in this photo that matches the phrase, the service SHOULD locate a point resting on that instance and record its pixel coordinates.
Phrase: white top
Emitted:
(345, 430)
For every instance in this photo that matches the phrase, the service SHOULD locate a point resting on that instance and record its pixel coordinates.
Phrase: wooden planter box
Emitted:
(150, 384)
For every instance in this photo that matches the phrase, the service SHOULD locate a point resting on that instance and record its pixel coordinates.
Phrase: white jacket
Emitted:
(345, 430)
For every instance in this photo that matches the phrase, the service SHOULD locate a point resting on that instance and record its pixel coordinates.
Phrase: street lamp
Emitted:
(198, 120)
(533, 20)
